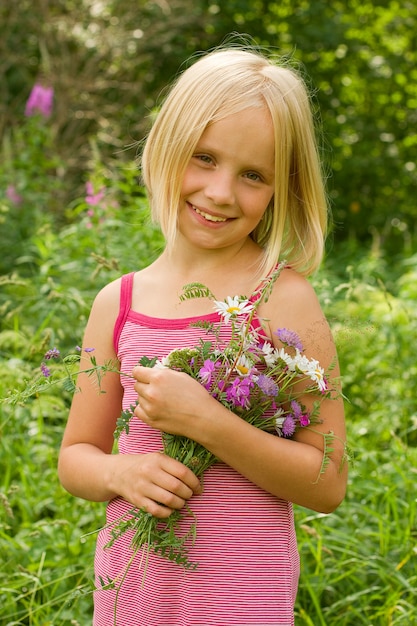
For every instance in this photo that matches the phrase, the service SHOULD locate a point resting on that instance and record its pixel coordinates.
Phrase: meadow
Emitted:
(359, 564)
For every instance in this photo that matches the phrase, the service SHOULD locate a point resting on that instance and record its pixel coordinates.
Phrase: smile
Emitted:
(208, 217)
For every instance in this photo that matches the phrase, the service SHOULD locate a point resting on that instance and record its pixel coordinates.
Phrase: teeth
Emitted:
(210, 218)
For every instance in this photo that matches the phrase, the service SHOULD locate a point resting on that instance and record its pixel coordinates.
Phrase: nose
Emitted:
(220, 188)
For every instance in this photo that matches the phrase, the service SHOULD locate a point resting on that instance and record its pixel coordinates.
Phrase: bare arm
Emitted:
(87, 468)
(286, 468)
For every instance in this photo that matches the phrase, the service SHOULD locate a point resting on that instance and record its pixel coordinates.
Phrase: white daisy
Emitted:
(287, 358)
(279, 421)
(302, 363)
(243, 365)
(232, 307)
(316, 373)
(270, 354)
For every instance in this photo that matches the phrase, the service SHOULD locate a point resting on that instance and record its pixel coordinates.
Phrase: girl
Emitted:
(233, 176)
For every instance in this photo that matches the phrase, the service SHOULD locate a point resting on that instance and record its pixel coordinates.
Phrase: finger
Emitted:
(156, 509)
(139, 388)
(176, 487)
(165, 498)
(141, 374)
(182, 473)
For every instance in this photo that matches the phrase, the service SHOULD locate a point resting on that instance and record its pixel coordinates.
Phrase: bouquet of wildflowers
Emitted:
(248, 375)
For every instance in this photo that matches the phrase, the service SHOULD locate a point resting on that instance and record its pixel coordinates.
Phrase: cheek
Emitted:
(260, 204)
(189, 181)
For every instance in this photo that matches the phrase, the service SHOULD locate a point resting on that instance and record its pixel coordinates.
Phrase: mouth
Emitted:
(208, 216)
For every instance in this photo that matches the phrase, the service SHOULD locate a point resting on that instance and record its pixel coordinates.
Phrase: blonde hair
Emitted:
(221, 83)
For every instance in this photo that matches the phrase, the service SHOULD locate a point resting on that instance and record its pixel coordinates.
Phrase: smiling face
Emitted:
(229, 180)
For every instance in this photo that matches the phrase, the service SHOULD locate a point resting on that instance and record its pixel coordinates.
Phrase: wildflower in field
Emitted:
(79, 349)
(52, 354)
(13, 195)
(40, 101)
(92, 198)
(45, 370)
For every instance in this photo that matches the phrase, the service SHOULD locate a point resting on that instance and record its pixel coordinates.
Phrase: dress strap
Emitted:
(126, 288)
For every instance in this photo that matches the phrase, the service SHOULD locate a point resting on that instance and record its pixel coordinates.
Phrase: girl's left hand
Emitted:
(170, 401)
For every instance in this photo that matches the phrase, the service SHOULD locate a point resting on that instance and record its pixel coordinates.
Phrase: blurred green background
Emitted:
(109, 62)
(60, 241)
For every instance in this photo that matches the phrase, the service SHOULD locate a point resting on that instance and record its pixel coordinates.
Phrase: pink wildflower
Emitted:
(13, 196)
(206, 373)
(40, 101)
(92, 198)
(239, 392)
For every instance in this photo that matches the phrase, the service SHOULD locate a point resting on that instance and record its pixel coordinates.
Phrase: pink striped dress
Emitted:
(246, 550)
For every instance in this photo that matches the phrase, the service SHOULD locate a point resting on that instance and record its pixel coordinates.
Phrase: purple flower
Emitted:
(45, 370)
(296, 409)
(206, 373)
(290, 338)
(13, 196)
(267, 385)
(52, 354)
(40, 101)
(239, 392)
(299, 416)
(89, 349)
(288, 427)
(92, 198)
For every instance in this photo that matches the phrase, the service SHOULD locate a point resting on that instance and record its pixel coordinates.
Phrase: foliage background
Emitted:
(109, 62)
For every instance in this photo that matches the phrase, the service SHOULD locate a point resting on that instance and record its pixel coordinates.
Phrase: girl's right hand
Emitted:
(153, 482)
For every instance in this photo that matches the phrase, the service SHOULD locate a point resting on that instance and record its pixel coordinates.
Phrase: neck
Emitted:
(191, 261)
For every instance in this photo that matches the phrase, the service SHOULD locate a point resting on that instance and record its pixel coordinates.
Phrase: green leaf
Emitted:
(196, 290)
(147, 362)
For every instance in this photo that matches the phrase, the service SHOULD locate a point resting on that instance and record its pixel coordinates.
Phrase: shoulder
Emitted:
(294, 305)
(106, 305)
(109, 296)
(101, 322)
(294, 291)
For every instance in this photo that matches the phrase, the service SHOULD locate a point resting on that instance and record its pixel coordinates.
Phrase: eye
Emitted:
(254, 176)
(204, 158)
